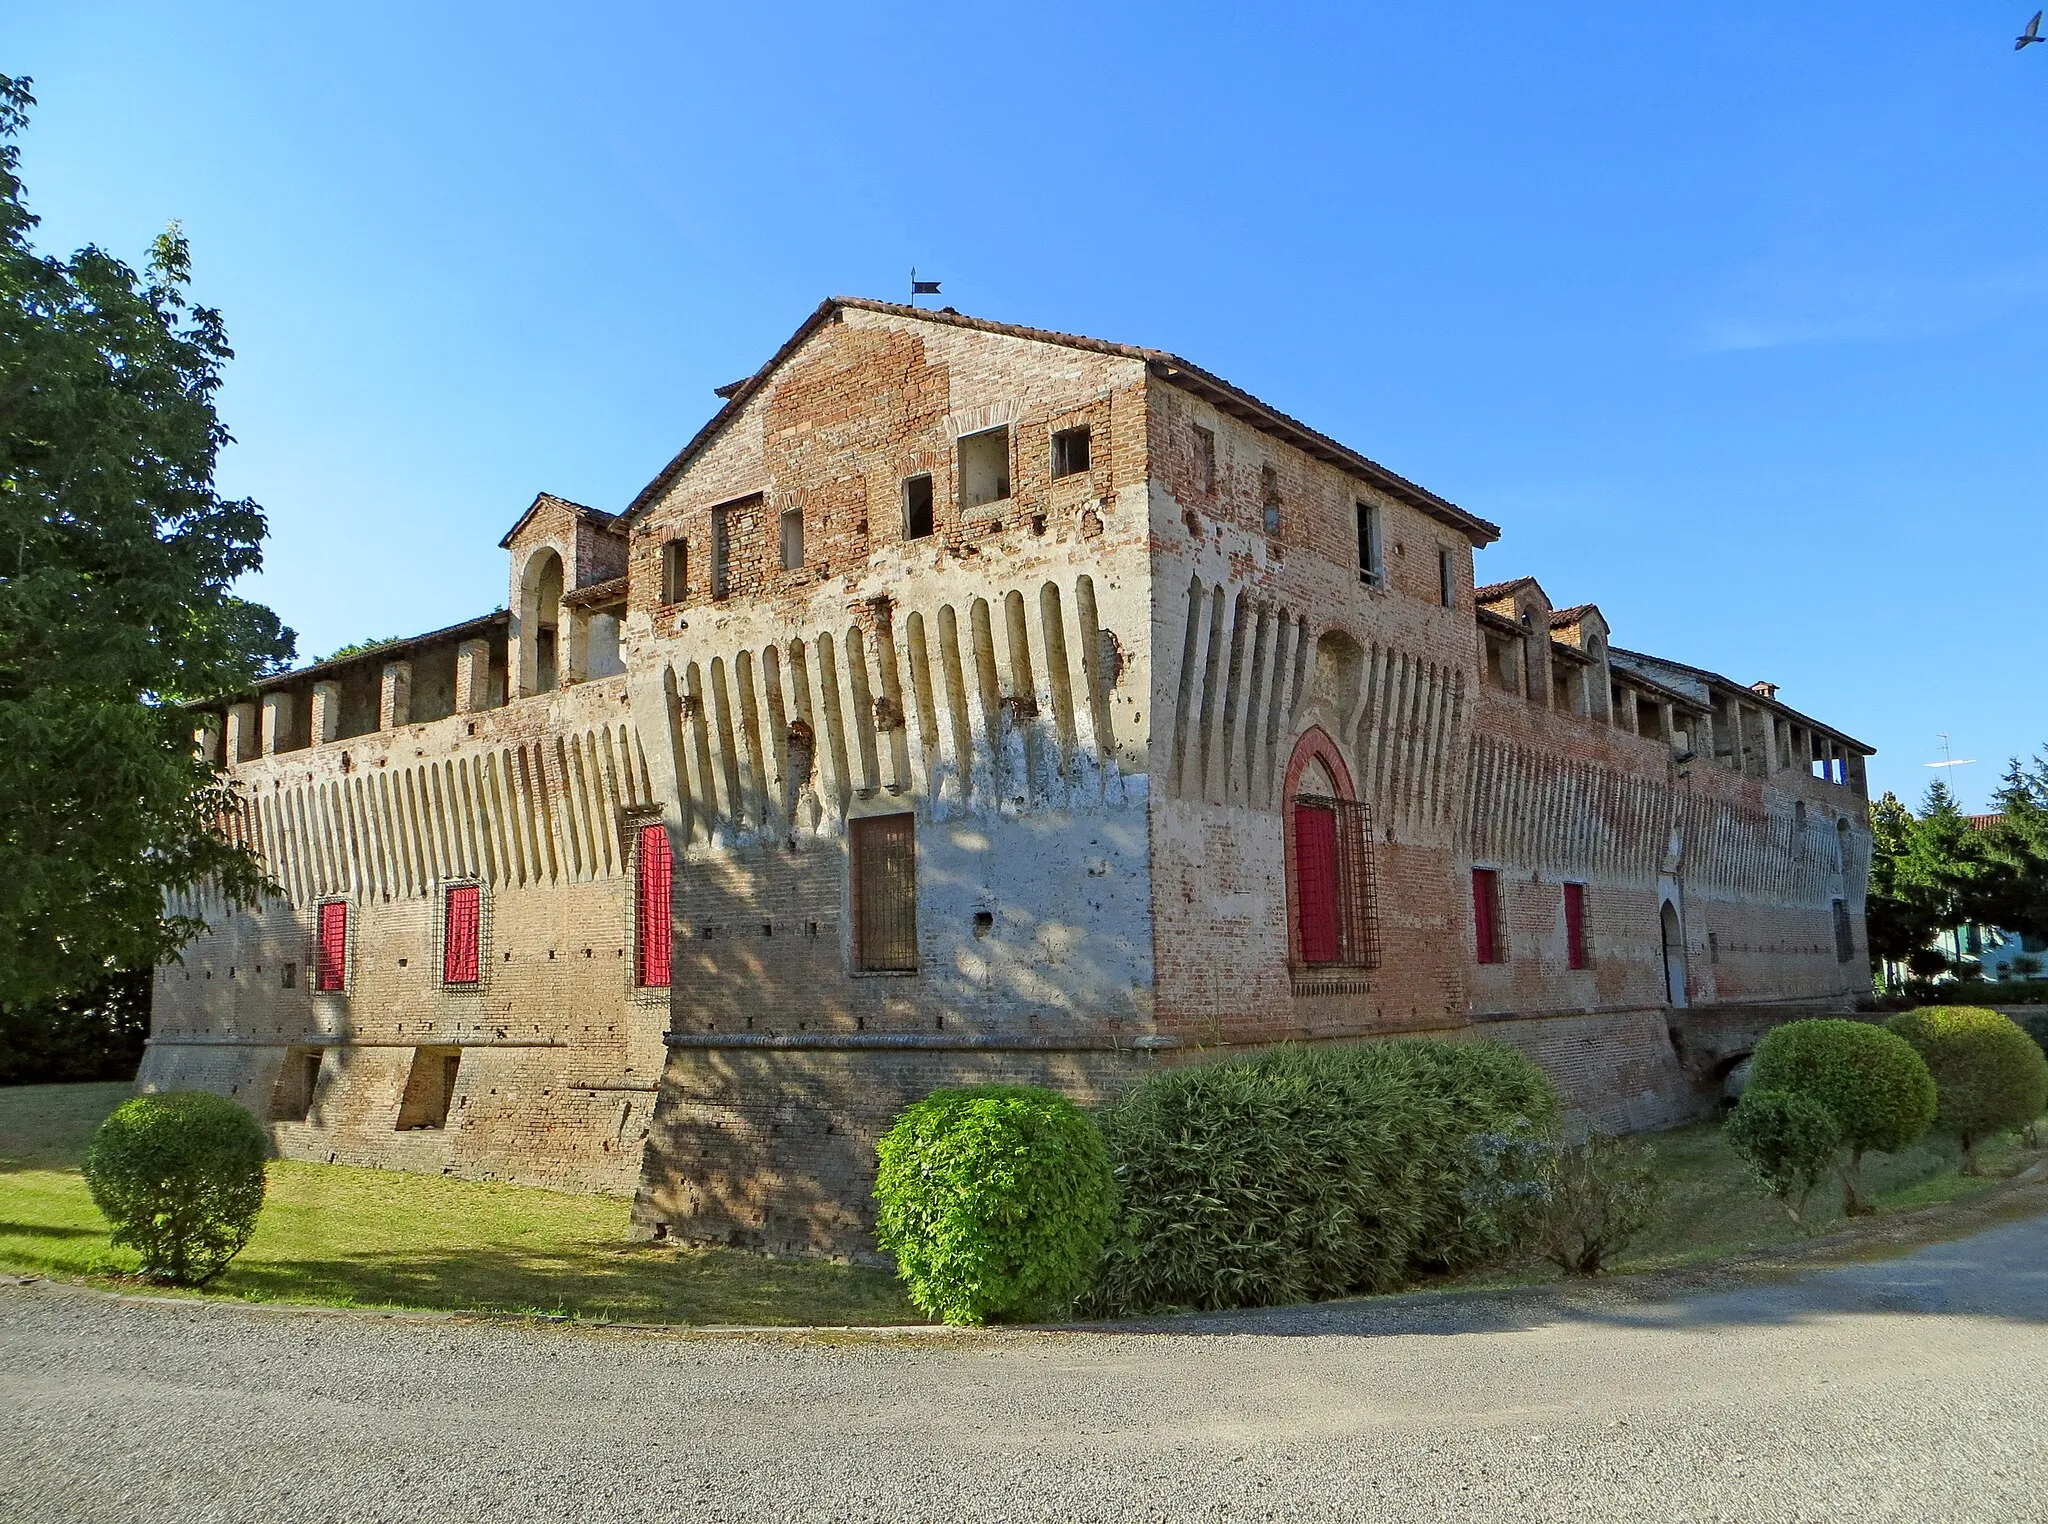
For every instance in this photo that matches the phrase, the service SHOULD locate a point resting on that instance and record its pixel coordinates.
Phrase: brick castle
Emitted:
(970, 702)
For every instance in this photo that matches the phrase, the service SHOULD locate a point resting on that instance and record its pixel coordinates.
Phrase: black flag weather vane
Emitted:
(931, 287)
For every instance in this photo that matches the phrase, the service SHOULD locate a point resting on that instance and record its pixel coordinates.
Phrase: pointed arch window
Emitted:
(1333, 912)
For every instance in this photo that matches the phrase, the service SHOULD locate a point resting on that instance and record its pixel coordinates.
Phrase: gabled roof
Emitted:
(1564, 619)
(1493, 592)
(1163, 365)
(597, 518)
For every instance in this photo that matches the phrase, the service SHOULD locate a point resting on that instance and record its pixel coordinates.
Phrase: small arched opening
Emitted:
(1673, 938)
(540, 619)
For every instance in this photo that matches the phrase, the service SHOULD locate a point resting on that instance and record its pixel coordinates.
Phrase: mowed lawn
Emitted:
(379, 1238)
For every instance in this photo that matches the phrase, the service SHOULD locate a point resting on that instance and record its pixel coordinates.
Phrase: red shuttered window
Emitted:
(330, 968)
(1315, 882)
(460, 957)
(1486, 916)
(883, 875)
(1575, 925)
(652, 910)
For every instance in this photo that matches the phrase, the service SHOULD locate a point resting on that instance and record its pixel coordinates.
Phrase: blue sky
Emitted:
(1734, 317)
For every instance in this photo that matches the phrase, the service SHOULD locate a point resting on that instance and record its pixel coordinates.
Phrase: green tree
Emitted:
(2017, 847)
(1902, 913)
(117, 557)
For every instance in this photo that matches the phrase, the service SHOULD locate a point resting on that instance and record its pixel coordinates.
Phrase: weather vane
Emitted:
(931, 287)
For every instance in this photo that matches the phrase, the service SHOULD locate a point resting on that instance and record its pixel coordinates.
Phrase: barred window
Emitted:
(1336, 914)
(652, 912)
(884, 886)
(460, 951)
(1487, 930)
(330, 971)
(1576, 953)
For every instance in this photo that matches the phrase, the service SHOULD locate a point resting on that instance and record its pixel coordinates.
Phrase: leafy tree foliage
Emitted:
(1788, 1140)
(180, 1176)
(116, 561)
(96, 1034)
(1989, 1075)
(362, 647)
(1870, 1081)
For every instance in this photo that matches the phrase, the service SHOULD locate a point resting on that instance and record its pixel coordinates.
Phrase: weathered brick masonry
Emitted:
(1006, 706)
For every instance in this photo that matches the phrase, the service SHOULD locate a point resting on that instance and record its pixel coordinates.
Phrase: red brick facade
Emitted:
(1094, 688)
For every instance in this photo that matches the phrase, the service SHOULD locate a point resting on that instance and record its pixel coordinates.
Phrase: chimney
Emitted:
(1765, 690)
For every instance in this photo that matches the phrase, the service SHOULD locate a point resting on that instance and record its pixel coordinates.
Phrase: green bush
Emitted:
(1989, 1075)
(2035, 1025)
(180, 1176)
(995, 1201)
(1788, 1140)
(1303, 1174)
(1603, 1193)
(1871, 1082)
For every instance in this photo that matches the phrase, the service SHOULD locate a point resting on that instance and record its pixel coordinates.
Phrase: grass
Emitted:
(342, 1236)
(1712, 1211)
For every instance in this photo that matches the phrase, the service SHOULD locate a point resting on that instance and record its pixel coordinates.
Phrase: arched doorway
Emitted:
(1332, 913)
(1674, 955)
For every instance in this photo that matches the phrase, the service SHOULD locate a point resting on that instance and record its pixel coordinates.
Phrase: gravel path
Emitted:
(1908, 1389)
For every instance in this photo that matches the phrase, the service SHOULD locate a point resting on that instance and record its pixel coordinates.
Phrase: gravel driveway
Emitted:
(1908, 1389)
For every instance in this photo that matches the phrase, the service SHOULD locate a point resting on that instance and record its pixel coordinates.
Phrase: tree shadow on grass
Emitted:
(47, 1230)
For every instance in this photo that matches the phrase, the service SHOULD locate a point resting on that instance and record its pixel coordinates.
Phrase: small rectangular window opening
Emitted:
(330, 970)
(792, 539)
(675, 571)
(1446, 577)
(291, 976)
(1845, 941)
(1070, 452)
(653, 908)
(297, 1082)
(1205, 458)
(429, 1089)
(1269, 494)
(1575, 926)
(1489, 939)
(917, 508)
(985, 467)
(721, 552)
(1371, 570)
(461, 951)
(883, 879)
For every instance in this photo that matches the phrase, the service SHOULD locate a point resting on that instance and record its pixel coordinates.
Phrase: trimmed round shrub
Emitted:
(180, 1177)
(1989, 1075)
(2035, 1025)
(1870, 1081)
(1304, 1174)
(995, 1201)
(1788, 1140)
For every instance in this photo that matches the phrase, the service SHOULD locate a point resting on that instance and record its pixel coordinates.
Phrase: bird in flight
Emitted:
(2031, 34)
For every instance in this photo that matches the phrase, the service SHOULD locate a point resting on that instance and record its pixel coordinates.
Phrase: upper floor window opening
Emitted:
(1070, 452)
(792, 539)
(1446, 577)
(721, 552)
(985, 467)
(1205, 458)
(675, 570)
(1372, 566)
(330, 946)
(1577, 953)
(917, 507)
(1269, 496)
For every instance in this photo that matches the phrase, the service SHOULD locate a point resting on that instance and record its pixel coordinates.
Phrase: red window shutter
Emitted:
(1315, 882)
(1575, 924)
(1483, 901)
(333, 948)
(653, 907)
(460, 956)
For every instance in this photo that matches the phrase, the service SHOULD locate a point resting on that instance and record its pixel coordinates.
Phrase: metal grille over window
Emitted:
(1576, 954)
(885, 893)
(1486, 916)
(331, 950)
(1336, 911)
(652, 911)
(460, 957)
